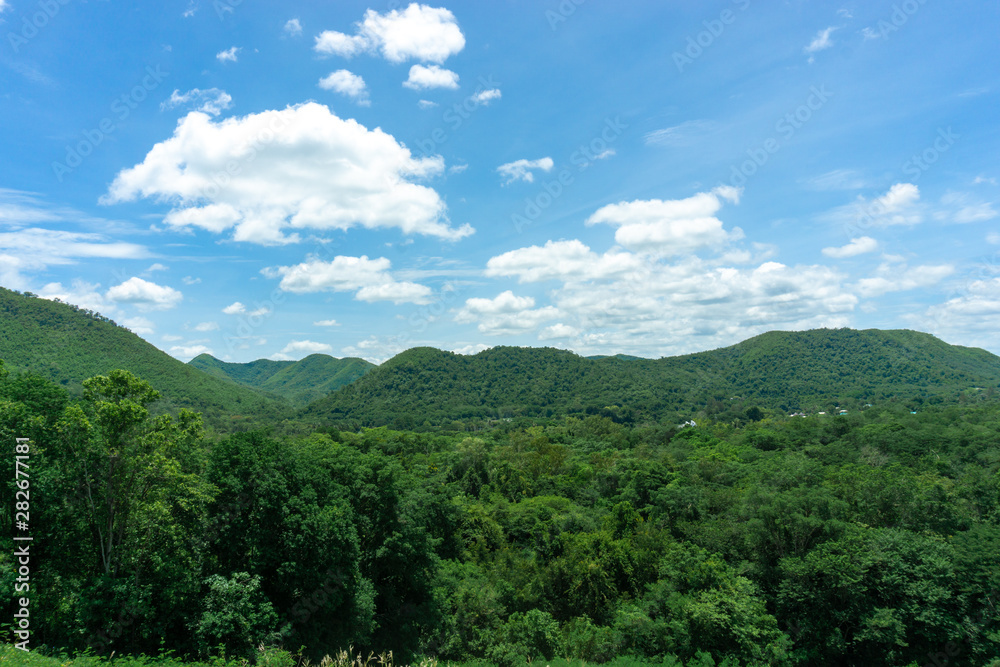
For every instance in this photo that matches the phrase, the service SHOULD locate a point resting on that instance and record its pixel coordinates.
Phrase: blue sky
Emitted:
(261, 180)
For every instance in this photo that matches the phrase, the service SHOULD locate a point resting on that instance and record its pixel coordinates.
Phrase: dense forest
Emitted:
(858, 539)
(828, 497)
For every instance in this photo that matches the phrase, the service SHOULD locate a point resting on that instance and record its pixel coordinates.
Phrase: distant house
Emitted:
(822, 413)
(842, 412)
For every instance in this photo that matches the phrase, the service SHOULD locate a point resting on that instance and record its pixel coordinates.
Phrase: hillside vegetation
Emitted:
(812, 371)
(67, 345)
(300, 382)
(866, 539)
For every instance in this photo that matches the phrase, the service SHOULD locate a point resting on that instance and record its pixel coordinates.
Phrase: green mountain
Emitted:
(67, 345)
(301, 382)
(782, 371)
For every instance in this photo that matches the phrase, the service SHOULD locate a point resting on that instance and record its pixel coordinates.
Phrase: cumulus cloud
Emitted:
(895, 278)
(229, 55)
(670, 227)
(970, 316)
(419, 32)
(347, 83)
(298, 349)
(144, 294)
(188, 352)
(212, 101)
(521, 170)
(293, 28)
(857, 246)
(369, 279)
(80, 293)
(423, 77)
(569, 261)
(426, 104)
(900, 205)
(648, 303)
(235, 308)
(206, 326)
(139, 326)
(326, 323)
(484, 97)
(299, 168)
(505, 314)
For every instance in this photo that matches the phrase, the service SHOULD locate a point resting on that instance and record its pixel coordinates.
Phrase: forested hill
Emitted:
(301, 382)
(816, 370)
(67, 345)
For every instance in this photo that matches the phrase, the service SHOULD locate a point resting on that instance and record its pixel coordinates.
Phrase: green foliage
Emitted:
(67, 345)
(819, 370)
(870, 538)
(237, 616)
(300, 382)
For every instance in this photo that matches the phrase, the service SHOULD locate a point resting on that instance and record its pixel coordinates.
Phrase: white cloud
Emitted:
(347, 83)
(144, 294)
(293, 28)
(671, 227)
(188, 280)
(558, 331)
(207, 326)
(229, 55)
(569, 261)
(80, 293)
(649, 304)
(970, 317)
(685, 134)
(423, 77)
(170, 338)
(457, 168)
(235, 308)
(978, 180)
(260, 312)
(326, 323)
(900, 205)
(820, 42)
(299, 168)
(188, 352)
(521, 170)
(156, 267)
(471, 349)
(418, 32)
(298, 349)
(962, 208)
(993, 237)
(369, 279)
(34, 249)
(895, 278)
(139, 326)
(857, 246)
(426, 104)
(505, 314)
(212, 101)
(838, 179)
(484, 97)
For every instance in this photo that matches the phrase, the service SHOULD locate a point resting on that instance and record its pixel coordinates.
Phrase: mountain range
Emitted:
(780, 371)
